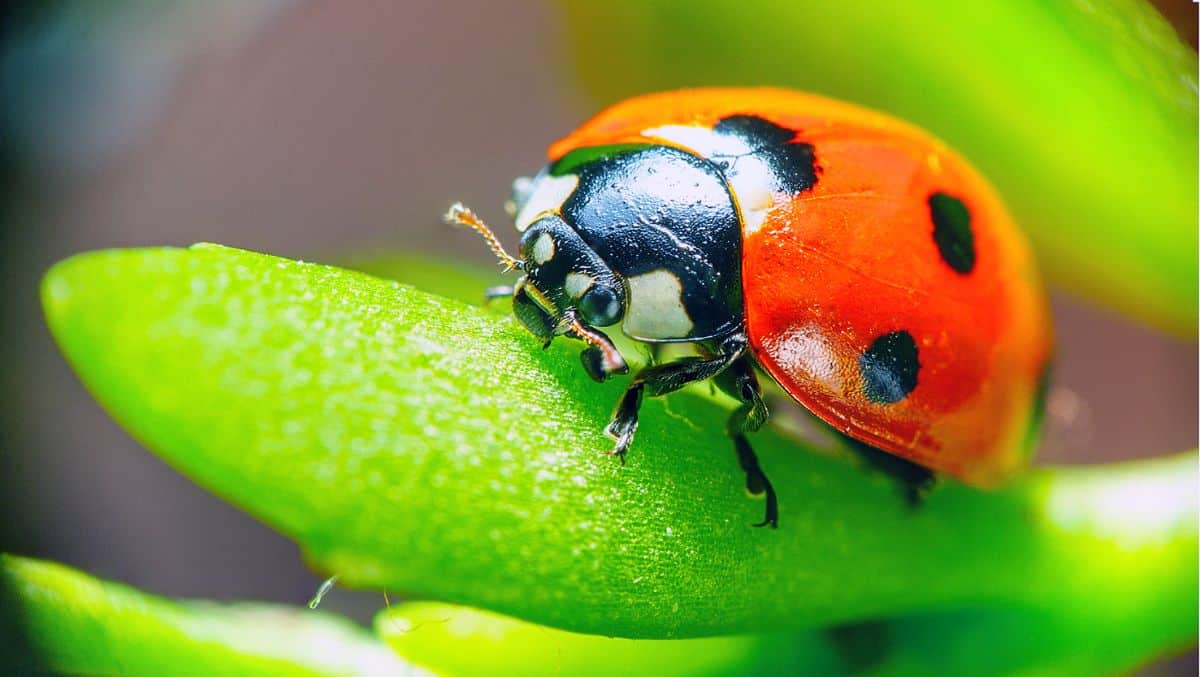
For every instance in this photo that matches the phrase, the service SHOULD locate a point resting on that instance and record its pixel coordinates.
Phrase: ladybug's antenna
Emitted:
(462, 215)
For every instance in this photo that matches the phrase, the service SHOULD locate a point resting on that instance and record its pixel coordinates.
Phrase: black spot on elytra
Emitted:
(753, 128)
(792, 162)
(952, 231)
(889, 368)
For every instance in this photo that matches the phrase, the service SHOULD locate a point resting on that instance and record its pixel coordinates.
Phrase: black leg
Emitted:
(756, 481)
(740, 382)
(660, 379)
(625, 419)
(914, 480)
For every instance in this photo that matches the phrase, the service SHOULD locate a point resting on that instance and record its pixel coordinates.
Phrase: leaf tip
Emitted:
(58, 288)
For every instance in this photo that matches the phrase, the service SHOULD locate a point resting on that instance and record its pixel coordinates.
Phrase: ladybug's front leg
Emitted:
(660, 379)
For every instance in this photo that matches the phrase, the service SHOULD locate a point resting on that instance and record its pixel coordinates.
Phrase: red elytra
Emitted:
(828, 271)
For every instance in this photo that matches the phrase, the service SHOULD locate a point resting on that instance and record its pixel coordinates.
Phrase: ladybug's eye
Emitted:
(600, 306)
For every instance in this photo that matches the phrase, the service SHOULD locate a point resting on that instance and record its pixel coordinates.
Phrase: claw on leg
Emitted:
(756, 481)
(657, 381)
(625, 420)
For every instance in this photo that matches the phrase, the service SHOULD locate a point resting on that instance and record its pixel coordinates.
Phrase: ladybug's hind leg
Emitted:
(740, 382)
(914, 480)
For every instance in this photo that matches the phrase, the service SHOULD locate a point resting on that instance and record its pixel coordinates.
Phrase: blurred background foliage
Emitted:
(316, 129)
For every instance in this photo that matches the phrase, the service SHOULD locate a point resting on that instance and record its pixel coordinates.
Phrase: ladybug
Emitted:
(852, 258)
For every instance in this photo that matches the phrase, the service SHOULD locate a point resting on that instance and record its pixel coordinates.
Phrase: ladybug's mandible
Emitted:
(854, 259)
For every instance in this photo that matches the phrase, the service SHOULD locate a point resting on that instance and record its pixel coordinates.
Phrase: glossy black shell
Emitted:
(656, 208)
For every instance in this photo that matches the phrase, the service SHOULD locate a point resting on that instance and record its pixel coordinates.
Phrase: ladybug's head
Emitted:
(566, 287)
(563, 275)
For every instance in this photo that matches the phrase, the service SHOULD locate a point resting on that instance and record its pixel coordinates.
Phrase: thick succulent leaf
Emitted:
(79, 625)
(464, 641)
(450, 279)
(82, 625)
(982, 642)
(1082, 113)
(424, 445)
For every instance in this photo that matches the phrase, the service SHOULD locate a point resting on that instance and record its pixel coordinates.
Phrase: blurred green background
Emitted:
(324, 130)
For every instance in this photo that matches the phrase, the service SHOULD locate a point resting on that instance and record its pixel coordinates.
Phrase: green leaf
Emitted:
(1084, 114)
(452, 279)
(80, 625)
(463, 641)
(427, 446)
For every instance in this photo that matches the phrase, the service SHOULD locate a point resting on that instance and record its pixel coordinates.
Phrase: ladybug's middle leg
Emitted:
(740, 382)
(660, 379)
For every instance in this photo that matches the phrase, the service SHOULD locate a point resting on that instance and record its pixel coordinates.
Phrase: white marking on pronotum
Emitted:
(326, 586)
(753, 183)
(700, 139)
(577, 284)
(656, 309)
(548, 195)
(750, 178)
(522, 186)
(543, 248)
